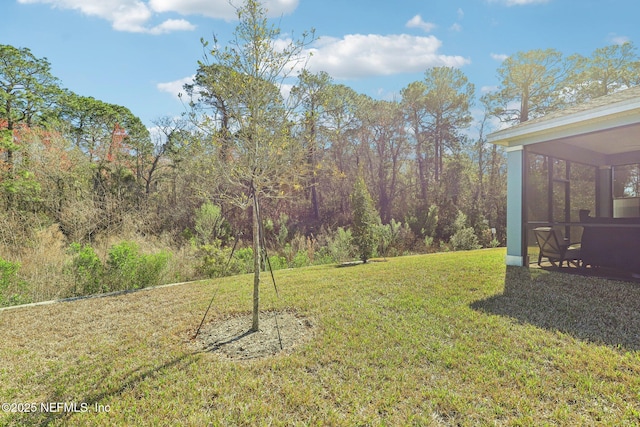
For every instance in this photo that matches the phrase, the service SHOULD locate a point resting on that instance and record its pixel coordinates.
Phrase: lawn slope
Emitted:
(440, 339)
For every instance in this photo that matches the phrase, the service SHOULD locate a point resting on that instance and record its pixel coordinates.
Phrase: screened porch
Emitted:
(577, 171)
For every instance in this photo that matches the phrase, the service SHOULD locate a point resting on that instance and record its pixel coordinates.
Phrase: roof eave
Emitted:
(591, 120)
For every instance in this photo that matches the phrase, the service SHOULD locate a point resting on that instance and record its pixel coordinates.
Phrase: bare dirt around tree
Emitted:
(232, 338)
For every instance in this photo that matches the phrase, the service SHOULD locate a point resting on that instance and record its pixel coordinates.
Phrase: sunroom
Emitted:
(577, 171)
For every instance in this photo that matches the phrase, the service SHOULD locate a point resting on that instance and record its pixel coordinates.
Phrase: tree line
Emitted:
(94, 169)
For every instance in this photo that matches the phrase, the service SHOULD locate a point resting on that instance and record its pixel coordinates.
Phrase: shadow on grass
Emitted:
(230, 340)
(76, 406)
(588, 308)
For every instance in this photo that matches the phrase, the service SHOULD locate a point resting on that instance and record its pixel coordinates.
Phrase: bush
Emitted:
(340, 245)
(86, 270)
(424, 221)
(12, 289)
(431, 222)
(210, 225)
(464, 238)
(394, 238)
(278, 262)
(150, 269)
(128, 269)
(121, 266)
(244, 259)
(216, 261)
(283, 231)
(428, 242)
(301, 259)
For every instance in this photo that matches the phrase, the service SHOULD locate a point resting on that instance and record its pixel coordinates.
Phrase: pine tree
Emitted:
(365, 219)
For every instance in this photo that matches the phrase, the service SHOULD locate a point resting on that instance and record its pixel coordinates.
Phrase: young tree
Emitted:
(260, 156)
(365, 219)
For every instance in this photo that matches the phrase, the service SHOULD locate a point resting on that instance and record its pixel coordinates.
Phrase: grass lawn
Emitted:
(442, 339)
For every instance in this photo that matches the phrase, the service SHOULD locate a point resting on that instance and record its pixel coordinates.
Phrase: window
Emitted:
(538, 188)
(626, 181)
(556, 191)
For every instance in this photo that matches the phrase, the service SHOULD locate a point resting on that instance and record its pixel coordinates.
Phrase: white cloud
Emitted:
(456, 27)
(134, 15)
(499, 56)
(171, 25)
(614, 38)
(488, 89)
(125, 15)
(417, 22)
(223, 9)
(175, 87)
(285, 90)
(358, 55)
(460, 14)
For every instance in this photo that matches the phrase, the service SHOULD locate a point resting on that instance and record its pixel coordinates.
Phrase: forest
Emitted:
(92, 200)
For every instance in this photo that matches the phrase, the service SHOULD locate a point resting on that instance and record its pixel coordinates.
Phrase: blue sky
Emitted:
(138, 53)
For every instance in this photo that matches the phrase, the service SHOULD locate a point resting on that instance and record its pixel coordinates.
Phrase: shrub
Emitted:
(464, 238)
(487, 239)
(341, 247)
(301, 259)
(150, 269)
(431, 222)
(424, 221)
(128, 269)
(12, 289)
(301, 251)
(394, 238)
(244, 259)
(86, 269)
(428, 242)
(216, 261)
(121, 266)
(278, 262)
(210, 225)
(283, 231)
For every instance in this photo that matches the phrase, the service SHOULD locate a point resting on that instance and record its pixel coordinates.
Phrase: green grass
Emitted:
(442, 339)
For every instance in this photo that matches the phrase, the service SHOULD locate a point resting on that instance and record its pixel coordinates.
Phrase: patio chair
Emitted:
(556, 249)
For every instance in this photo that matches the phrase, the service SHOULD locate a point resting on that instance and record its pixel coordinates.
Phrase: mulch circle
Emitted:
(232, 338)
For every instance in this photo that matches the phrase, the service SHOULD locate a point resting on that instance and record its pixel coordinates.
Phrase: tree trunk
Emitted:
(314, 199)
(255, 327)
(524, 106)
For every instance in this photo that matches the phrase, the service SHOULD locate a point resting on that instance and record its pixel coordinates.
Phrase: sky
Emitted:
(139, 53)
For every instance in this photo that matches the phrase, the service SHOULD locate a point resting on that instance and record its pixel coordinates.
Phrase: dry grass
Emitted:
(443, 339)
(42, 263)
(43, 256)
